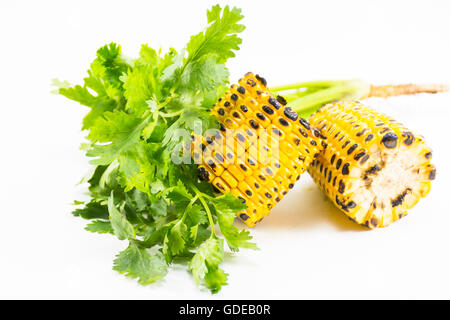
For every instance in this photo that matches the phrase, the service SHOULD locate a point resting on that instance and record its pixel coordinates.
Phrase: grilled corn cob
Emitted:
(261, 150)
(373, 168)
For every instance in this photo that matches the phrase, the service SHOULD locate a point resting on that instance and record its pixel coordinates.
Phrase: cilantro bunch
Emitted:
(137, 193)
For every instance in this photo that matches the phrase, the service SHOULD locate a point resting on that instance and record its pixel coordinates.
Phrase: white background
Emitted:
(308, 248)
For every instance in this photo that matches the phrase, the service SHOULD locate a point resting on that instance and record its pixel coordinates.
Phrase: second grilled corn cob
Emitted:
(262, 148)
(373, 168)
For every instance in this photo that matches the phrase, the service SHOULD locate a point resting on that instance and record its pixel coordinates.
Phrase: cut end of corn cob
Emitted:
(373, 168)
(261, 150)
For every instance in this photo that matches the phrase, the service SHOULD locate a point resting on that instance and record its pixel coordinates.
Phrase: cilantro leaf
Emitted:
(139, 165)
(196, 215)
(138, 200)
(77, 93)
(110, 66)
(227, 206)
(179, 195)
(137, 262)
(220, 37)
(159, 207)
(92, 210)
(104, 80)
(175, 240)
(208, 257)
(215, 278)
(123, 229)
(198, 234)
(122, 130)
(100, 226)
(204, 73)
(141, 88)
(98, 104)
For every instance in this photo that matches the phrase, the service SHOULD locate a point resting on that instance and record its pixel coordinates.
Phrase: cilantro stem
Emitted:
(318, 93)
(210, 219)
(308, 84)
(169, 115)
(191, 203)
(205, 205)
(167, 100)
(152, 126)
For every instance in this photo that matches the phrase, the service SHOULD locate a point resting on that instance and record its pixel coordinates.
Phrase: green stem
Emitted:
(300, 93)
(169, 115)
(319, 93)
(205, 205)
(172, 96)
(208, 212)
(308, 84)
(150, 129)
(189, 206)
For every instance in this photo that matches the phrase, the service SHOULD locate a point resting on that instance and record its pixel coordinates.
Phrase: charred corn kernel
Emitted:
(244, 139)
(261, 142)
(230, 123)
(261, 119)
(240, 170)
(252, 215)
(373, 168)
(251, 160)
(220, 185)
(262, 178)
(237, 116)
(254, 183)
(269, 112)
(276, 131)
(245, 169)
(215, 167)
(205, 173)
(271, 191)
(246, 189)
(284, 125)
(249, 104)
(218, 156)
(230, 158)
(236, 192)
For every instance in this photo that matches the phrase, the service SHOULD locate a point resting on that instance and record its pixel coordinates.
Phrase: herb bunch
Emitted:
(137, 193)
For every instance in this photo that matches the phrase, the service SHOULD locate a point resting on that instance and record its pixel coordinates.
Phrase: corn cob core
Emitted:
(373, 168)
(261, 150)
